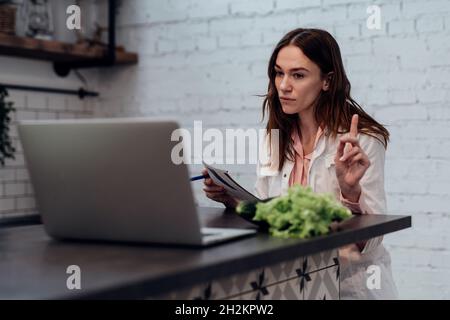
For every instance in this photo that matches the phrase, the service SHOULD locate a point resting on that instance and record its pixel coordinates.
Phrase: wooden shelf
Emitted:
(57, 51)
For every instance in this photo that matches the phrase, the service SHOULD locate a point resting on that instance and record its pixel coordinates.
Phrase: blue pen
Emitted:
(199, 177)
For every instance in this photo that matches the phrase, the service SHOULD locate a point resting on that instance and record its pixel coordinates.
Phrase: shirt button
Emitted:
(284, 175)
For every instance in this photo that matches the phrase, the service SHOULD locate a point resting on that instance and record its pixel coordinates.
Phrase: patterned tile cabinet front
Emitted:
(311, 277)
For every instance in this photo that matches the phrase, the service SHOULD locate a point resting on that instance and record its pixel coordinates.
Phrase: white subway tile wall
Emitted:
(16, 191)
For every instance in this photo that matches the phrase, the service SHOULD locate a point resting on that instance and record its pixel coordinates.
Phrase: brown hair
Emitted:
(334, 108)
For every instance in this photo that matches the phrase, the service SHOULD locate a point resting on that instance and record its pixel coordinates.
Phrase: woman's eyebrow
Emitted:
(293, 69)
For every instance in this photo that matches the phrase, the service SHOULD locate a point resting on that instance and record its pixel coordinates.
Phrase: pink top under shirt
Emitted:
(299, 173)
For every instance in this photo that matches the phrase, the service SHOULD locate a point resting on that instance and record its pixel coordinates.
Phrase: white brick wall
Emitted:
(205, 60)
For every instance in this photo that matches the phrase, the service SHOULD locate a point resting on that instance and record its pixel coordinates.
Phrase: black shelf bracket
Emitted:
(62, 69)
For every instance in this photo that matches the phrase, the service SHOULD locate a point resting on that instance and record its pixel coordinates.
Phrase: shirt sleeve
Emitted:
(263, 172)
(352, 206)
(261, 187)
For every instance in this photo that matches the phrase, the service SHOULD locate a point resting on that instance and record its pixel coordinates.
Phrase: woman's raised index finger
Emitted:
(354, 126)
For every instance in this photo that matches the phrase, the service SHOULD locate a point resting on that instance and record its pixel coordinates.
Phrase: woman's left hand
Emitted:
(351, 163)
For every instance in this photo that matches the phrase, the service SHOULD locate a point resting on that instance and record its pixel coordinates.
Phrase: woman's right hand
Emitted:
(217, 193)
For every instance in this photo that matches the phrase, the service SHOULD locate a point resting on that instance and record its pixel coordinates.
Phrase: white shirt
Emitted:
(322, 179)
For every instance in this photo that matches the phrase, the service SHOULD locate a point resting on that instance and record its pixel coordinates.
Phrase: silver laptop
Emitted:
(113, 179)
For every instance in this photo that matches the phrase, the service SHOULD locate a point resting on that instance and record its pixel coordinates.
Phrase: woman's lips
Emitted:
(284, 99)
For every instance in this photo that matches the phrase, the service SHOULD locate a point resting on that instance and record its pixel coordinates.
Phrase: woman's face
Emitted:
(298, 80)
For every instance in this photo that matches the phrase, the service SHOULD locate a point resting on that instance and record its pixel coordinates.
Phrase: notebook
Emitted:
(223, 179)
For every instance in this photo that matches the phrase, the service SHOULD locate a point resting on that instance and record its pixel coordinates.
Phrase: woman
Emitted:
(326, 141)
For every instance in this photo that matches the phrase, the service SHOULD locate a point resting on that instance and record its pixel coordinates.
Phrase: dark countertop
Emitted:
(33, 266)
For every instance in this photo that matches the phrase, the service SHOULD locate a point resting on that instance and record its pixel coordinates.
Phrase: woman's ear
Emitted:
(327, 81)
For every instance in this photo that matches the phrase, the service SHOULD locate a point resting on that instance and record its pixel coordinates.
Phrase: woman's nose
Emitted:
(285, 85)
